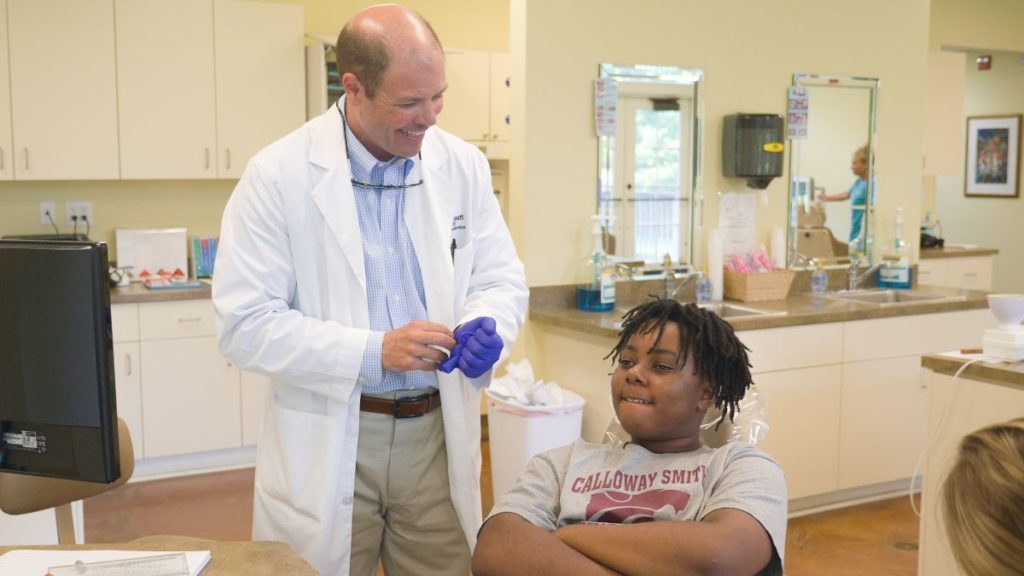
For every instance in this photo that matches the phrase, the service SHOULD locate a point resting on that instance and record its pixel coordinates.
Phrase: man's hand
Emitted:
(412, 347)
(478, 348)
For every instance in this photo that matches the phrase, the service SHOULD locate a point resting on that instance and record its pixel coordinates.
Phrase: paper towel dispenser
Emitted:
(752, 148)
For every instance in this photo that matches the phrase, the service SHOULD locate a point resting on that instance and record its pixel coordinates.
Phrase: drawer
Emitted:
(914, 335)
(124, 320)
(970, 273)
(932, 272)
(178, 319)
(794, 347)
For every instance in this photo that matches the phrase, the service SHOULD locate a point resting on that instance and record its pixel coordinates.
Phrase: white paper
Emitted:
(736, 219)
(796, 113)
(606, 96)
(152, 249)
(37, 562)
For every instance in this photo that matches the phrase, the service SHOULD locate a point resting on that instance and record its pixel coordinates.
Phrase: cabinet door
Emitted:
(6, 163)
(63, 89)
(165, 89)
(802, 412)
(190, 397)
(255, 396)
(501, 97)
(467, 101)
(970, 273)
(884, 420)
(260, 78)
(932, 272)
(128, 385)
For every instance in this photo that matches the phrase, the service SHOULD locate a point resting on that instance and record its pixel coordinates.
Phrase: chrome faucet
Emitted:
(670, 291)
(854, 277)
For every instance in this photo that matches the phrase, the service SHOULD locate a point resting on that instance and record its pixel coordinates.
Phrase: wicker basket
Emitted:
(757, 287)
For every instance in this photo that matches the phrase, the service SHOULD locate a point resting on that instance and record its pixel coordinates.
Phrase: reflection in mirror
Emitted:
(832, 172)
(649, 171)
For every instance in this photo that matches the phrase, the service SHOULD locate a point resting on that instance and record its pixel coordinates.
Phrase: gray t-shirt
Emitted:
(623, 484)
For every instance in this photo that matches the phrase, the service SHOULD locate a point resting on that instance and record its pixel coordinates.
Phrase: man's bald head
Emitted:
(373, 37)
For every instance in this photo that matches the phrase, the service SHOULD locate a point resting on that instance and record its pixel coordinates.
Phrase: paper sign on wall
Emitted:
(796, 113)
(606, 95)
(737, 213)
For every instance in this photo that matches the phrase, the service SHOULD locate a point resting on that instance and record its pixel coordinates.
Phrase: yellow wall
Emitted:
(983, 24)
(749, 51)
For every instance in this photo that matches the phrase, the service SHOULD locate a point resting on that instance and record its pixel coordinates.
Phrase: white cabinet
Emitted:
(260, 78)
(165, 88)
(802, 408)
(477, 104)
(205, 84)
(970, 272)
(127, 373)
(190, 394)
(6, 162)
(63, 89)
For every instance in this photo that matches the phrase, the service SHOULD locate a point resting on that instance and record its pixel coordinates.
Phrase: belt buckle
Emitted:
(408, 400)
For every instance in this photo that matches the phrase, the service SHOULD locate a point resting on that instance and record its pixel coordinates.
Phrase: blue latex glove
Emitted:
(477, 348)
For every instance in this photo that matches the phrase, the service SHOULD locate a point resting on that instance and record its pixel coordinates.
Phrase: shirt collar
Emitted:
(363, 162)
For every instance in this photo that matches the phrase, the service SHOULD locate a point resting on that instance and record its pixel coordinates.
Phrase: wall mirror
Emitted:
(649, 172)
(832, 171)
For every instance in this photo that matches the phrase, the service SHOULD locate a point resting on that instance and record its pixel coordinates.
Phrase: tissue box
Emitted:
(757, 286)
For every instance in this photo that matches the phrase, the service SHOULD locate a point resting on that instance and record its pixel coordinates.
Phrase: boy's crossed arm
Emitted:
(726, 541)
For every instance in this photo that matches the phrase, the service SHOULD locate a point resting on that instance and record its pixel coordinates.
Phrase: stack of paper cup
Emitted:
(715, 262)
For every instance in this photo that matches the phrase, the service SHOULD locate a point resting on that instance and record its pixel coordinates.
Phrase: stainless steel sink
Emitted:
(729, 310)
(894, 297)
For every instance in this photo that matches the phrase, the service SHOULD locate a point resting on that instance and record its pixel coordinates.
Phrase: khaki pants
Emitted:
(403, 512)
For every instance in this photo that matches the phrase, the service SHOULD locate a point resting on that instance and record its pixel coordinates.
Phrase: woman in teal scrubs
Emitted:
(857, 194)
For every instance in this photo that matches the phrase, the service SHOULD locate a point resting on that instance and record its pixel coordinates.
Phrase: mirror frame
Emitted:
(872, 85)
(671, 75)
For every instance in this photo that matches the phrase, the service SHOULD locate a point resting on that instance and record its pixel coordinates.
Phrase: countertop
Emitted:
(1011, 375)
(136, 292)
(929, 253)
(554, 305)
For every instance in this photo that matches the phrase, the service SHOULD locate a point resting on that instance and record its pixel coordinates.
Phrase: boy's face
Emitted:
(660, 403)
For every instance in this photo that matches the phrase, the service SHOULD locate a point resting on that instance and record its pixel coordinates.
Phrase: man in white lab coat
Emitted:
(348, 251)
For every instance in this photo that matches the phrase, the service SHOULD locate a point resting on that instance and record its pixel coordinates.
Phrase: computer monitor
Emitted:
(58, 416)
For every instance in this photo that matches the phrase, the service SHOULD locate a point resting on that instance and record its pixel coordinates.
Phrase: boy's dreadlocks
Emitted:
(718, 355)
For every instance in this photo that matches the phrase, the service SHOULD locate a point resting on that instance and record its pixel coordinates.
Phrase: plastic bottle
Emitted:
(598, 294)
(705, 289)
(819, 279)
(716, 261)
(895, 270)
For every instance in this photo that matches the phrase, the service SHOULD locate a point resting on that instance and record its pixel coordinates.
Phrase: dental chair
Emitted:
(22, 494)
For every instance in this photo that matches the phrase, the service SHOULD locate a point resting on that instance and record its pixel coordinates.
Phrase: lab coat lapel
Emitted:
(428, 220)
(333, 195)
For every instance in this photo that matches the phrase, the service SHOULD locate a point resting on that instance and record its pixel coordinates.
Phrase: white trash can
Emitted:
(517, 432)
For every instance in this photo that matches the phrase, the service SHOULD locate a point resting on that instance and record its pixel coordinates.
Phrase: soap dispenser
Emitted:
(895, 270)
(598, 294)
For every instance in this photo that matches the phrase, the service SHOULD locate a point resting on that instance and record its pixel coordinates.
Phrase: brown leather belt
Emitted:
(408, 407)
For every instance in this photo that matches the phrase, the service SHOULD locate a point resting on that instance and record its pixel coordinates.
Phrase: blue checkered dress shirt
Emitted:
(394, 285)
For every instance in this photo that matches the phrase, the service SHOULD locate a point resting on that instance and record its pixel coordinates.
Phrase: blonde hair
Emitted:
(983, 501)
(861, 153)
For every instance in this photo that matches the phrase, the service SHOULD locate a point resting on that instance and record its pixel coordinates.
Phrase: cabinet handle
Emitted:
(26, 158)
(1, 158)
(227, 158)
(128, 364)
(970, 274)
(190, 319)
(206, 155)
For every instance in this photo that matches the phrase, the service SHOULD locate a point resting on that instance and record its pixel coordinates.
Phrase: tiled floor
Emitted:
(876, 538)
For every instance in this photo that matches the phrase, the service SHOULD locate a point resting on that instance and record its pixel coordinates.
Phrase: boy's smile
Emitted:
(658, 397)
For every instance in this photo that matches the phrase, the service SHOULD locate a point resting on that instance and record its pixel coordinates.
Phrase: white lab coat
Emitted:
(290, 293)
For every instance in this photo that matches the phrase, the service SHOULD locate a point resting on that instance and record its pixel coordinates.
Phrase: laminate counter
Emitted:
(136, 292)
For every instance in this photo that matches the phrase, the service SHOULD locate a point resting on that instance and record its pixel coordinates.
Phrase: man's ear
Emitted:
(353, 87)
(707, 397)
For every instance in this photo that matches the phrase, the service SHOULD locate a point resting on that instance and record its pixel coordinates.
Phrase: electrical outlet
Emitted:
(47, 213)
(81, 209)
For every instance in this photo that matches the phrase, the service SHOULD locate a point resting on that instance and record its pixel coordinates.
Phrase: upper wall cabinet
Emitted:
(260, 78)
(62, 89)
(477, 103)
(205, 84)
(165, 89)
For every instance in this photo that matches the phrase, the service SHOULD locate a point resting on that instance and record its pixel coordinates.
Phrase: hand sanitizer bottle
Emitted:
(705, 289)
(895, 270)
(598, 294)
(819, 279)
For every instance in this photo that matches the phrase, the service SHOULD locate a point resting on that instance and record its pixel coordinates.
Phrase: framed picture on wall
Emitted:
(993, 156)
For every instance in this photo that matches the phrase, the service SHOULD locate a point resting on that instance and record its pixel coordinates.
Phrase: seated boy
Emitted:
(662, 503)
